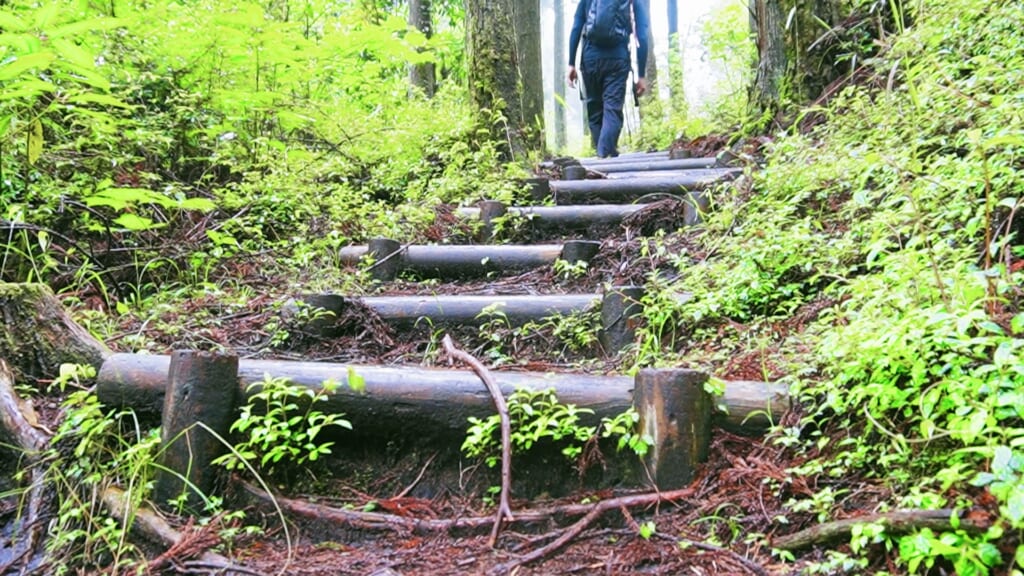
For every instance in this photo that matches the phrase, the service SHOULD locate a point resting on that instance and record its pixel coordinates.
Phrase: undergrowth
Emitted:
(899, 216)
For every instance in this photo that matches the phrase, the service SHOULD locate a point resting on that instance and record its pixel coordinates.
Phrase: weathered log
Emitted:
(675, 411)
(469, 309)
(573, 173)
(619, 311)
(654, 165)
(489, 211)
(566, 217)
(147, 523)
(39, 335)
(199, 407)
(464, 261)
(630, 189)
(624, 158)
(430, 398)
(896, 522)
(387, 258)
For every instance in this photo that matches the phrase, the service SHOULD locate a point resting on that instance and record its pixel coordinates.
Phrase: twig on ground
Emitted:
(582, 524)
(419, 477)
(504, 510)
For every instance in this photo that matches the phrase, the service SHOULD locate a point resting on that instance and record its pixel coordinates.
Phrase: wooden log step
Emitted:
(657, 165)
(629, 189)
(628, 157)
(561, 217)
(461, 261)
(469, 309)
(406, 399)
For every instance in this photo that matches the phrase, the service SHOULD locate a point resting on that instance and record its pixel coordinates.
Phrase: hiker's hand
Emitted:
(572, 76)
(641, 86)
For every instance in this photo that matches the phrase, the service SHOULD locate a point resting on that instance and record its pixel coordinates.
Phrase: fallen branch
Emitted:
(595, 513)
(897, 522)
(150, 525)
(504, 510)
(17, 429)
(381, 521)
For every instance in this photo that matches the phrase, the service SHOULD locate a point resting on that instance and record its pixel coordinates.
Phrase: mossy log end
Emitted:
(39, 335)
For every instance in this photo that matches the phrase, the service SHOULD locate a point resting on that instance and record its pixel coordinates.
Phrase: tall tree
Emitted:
(422, 75)
(495, 66)
(559, 75)
(651, 74)
(675, 60)
(527, 20)
(796, 46)
(765, 92)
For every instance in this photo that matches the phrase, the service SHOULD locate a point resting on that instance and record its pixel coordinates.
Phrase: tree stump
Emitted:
(39, 335)
(675, 411)
(202, 387)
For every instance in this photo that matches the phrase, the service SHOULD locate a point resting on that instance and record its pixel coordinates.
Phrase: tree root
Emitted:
(504, 510)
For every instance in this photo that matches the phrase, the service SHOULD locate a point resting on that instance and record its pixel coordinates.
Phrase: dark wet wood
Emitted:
(39, 335)
(675, 411)
(199, 405)
(434, 400)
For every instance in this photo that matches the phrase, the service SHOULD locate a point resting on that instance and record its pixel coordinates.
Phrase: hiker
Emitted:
(605, 27)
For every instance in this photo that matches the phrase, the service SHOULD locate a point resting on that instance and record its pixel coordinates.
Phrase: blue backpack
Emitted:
(609, 22)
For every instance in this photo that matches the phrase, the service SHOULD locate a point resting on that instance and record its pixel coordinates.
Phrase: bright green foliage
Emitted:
(892, 231)
(539, 417)
(224, 127)
(95, 448)
(280, 426)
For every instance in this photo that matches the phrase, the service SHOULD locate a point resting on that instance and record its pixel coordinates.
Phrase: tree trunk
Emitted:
(422, 75)
(651, 73)
(792, 53)
(527, 18)
(560, 75)
(494, 73)
(767, 22)
(39, 336)
(677, 93)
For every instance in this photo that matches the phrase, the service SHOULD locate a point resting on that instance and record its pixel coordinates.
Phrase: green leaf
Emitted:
(134, 222)
(34, 145)
(11, 23)
(82, 26)
(200, 204)
(102, 99)
(1015, 506)
(22, 64)
(355, 381)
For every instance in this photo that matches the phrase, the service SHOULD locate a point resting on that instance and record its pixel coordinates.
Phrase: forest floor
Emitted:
(722, 523)
(722, 526)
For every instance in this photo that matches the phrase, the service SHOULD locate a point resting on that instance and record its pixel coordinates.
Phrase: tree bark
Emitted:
(767, 22)
(794, 64)
(39, 335)
(495, 84)
(677, 94)
(527, 18)
(422, 75)
(651, 73)
(560, 75)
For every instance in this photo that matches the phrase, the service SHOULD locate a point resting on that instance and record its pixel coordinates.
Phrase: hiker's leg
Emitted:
(594, 84)
(616, 74)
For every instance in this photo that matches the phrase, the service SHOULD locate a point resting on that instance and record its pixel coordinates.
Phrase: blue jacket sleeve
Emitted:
(577, 30)
(643, 25)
